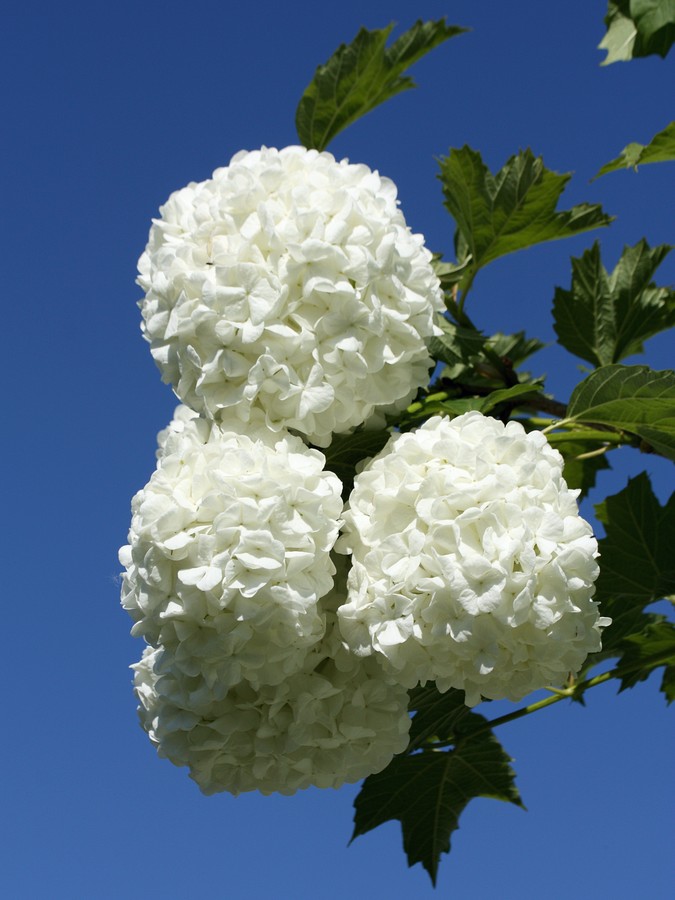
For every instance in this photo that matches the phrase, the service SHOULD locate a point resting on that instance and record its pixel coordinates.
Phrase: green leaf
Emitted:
(428, 791)
(653, 648)
(637, 559)
(629, 398)
(441, 404)
(638, 28)
(449, 274)
(470, 356)
(668, 683)
(439, 717)
(346, 451)
(457, 347)
(661, 148)
(506, 395)
(361, 75)
(514, 209)
(581, 473)
(636, 564)
(515, 347)
(604, 318)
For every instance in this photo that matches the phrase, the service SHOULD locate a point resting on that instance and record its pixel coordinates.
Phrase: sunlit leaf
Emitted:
(449, 274)
(630, 398)
(661, 148)
(603, 318)
(505, 395)
(361, 75)
(514, 209)
(638, 28)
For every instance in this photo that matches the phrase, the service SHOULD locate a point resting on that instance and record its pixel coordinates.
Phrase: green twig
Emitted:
(557, 695)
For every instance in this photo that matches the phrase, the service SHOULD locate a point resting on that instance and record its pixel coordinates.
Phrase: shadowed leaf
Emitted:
(428, 791)
(346, 451)
(638, 563)
(651, 649)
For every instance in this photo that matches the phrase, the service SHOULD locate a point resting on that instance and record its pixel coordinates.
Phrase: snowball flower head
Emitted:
(229, 549)
(289, 282)
(336, 720)
(471, 565)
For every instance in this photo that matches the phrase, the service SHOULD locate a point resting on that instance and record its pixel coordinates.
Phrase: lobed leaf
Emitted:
(638, 28)
(428, 791)
(635, 399)
(514, 209)
(361, 75)
(661, 148)
(638, 564)
(604, 318)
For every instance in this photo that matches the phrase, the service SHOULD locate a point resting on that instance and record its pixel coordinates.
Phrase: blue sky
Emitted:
(108, 108)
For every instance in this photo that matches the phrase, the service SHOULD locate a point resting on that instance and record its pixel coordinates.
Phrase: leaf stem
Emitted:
(558, 694)
(593, 453)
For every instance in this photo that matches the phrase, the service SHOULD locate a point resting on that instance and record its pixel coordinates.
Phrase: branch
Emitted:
(570, 693)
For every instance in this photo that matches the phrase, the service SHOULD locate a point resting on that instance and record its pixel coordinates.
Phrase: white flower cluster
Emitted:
(288, 301)
(334, 721)
(290, 283)
(229, 549)
(471, 565)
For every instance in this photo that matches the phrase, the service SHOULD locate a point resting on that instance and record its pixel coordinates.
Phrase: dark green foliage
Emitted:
(428, 790)
(346, 451)
(638, 562)
(652, 648)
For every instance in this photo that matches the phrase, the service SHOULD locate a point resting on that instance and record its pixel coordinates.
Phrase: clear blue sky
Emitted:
(107, 108)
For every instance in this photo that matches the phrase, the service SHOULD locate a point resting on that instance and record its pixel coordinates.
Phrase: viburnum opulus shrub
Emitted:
(303, 632)
(287, 301)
